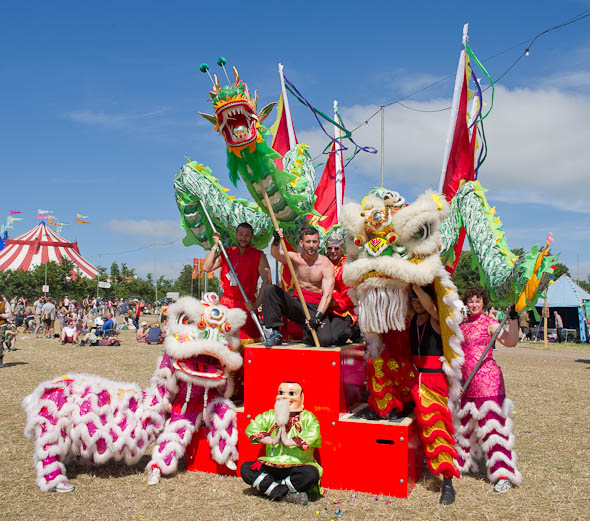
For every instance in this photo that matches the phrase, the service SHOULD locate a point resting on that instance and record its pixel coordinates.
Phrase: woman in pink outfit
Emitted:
(485, 411)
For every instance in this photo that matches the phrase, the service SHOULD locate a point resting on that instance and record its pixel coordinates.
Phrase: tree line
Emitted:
(124, 283)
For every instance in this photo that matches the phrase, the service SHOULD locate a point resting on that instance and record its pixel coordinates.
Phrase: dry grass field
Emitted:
(549, 389)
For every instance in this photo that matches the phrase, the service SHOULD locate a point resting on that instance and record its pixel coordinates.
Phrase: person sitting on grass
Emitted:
(155, 334)
(69, 334)
(29, 321)
(142, 332)
(9, 337)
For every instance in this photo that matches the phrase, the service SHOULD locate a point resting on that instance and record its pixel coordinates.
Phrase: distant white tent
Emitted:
(568, 299)
(41, 245)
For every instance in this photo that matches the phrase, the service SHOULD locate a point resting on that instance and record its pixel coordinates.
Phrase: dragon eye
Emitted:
(422, 233)
(215, 312)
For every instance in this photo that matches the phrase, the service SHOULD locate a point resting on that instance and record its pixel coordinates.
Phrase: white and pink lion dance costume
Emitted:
(93, 419)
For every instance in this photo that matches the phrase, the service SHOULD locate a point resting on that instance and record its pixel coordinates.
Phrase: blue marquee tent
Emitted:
(565, 296)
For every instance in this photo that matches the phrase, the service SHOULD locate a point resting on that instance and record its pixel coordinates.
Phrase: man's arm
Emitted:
(264, 273)
(212, 261)
(327, 286)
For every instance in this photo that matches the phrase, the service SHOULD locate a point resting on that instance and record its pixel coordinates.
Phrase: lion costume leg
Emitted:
(223, 432)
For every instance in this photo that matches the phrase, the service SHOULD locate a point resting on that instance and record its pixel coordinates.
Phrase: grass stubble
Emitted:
(552, 409)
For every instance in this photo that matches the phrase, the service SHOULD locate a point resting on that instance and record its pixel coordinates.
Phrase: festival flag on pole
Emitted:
(458, 161)
(196, 265)
(211, 275)
(80, 216)
(13, 212)
(330, 190)
(284, 138)
(82, 222)
(41, 216)
(41, 212)
(53, 223)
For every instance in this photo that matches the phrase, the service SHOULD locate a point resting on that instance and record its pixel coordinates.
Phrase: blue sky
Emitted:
(99, 108)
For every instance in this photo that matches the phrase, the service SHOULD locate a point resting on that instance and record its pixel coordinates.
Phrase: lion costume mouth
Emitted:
(203, 366)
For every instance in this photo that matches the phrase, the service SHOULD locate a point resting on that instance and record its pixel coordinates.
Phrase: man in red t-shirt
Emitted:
(250, 264)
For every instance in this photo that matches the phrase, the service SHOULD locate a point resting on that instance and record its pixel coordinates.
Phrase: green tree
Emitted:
(560, 269)
(465, 274)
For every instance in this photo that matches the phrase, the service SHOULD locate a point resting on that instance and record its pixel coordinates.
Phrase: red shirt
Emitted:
(341, 303)
(246, 266)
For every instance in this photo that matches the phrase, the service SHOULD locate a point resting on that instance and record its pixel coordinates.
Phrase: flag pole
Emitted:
(382, 143)
(339, 166)
(454, 108)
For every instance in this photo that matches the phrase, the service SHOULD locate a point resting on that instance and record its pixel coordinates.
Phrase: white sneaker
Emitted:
(155, 477)
(502, 485)
(64, 486)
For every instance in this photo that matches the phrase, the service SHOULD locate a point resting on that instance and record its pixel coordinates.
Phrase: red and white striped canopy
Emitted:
(41, 245)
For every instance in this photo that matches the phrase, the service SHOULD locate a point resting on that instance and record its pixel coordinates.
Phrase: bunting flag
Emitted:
(13, 212)
(196, 266)
(82, 222)
(283, 132)
(80, 216)
(330, 190)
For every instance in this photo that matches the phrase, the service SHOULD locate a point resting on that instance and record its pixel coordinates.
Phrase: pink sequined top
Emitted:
(488, 382)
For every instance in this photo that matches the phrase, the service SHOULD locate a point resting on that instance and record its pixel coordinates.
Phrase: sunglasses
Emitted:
(333, 248)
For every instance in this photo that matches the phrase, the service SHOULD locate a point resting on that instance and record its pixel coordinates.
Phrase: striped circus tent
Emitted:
(41, 245)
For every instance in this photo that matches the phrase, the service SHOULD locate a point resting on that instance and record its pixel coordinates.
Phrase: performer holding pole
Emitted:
(484, 411)
(237, 276)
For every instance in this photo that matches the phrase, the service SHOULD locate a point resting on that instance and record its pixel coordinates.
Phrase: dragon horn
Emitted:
(236, 74)
(216, 87)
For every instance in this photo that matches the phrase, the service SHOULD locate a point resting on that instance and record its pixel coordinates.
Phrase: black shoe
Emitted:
(274, 339)
(448, 493)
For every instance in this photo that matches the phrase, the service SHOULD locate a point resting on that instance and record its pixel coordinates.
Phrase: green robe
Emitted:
(305, 430)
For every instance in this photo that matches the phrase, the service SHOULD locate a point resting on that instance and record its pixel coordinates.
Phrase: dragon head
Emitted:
(203, 340)
(236, 117)
(391, 244)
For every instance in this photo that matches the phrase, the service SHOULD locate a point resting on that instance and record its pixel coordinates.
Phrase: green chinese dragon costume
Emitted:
(290, 190)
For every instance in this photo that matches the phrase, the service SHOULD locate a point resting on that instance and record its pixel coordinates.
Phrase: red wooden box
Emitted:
(382, 457)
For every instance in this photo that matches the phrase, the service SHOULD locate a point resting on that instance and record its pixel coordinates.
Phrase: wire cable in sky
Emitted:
(526, 52)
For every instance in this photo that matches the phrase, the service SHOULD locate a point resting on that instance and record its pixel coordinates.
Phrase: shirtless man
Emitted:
(316, 278)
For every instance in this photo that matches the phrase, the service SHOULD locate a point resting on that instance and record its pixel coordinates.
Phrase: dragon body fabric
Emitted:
(391, 244)
(94, 420)
(290, 189)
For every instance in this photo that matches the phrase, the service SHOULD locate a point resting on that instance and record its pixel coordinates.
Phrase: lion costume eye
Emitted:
(184, 319)
(422, 233)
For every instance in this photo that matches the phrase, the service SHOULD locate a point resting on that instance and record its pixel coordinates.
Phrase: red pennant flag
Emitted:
(196, 266)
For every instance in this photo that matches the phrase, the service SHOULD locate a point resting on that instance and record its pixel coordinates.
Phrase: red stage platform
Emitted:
(383, 457)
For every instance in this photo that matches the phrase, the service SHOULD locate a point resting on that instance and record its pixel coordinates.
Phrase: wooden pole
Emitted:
(545, 314)
(291, 268)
